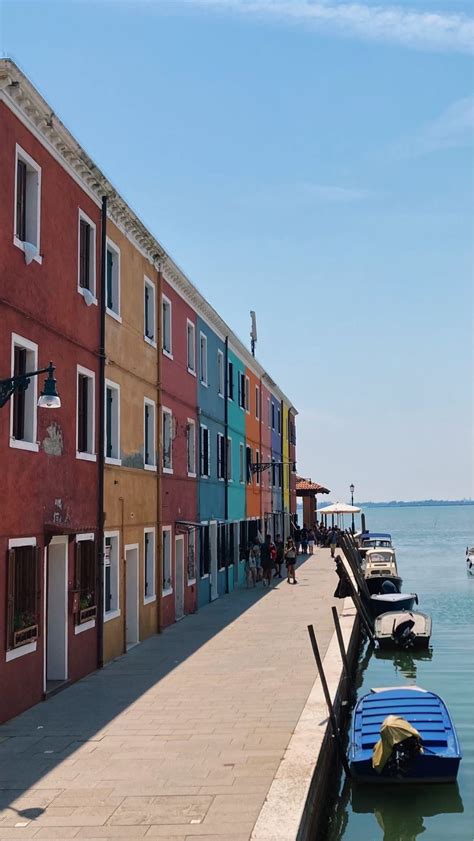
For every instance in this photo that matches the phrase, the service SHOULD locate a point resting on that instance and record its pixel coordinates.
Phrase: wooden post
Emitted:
(332, 716)
(359, 606)
(340, 640)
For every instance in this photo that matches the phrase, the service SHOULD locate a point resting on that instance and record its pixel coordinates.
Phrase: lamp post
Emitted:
(49, 398)
(352, 489)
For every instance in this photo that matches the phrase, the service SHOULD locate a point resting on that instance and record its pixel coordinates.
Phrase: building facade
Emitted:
(133, 504)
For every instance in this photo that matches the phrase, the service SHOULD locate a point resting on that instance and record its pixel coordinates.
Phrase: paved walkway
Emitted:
(180, 739)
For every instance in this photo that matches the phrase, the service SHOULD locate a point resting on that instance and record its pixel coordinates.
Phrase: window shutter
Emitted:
(110, 269)
(19, 396)
(21, 201)
(10, 598)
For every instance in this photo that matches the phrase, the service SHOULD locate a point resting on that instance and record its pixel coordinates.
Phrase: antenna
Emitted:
(253, 331)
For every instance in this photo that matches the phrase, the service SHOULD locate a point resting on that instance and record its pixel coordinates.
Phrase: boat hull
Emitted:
(385, 603)
(426, 769)
(384, 627)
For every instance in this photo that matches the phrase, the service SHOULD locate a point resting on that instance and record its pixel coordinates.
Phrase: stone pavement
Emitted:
(181, 738)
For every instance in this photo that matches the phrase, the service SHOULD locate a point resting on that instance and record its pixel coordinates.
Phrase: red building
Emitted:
(49, 310)
(180, 453)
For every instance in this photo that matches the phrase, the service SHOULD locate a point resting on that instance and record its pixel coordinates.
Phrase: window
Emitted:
(273, 415)
(85, 413)
(204, 552)
(241, 382)
(241, 464)
(220, 373)
(221, 545)
(257, 462)
(166, 544)
(149, 312)
(166, 326)
(257, 402)
(203, 358)
(273, 473)
(279, 421)
(86, 280)
(27, 201)
(113, 280)
(191, 346)
(111, 575)
(112, 422)
(149, 586)
(191, 447)
(149, 454)
(191, 556)
(23, 402)
(247, 394)
(229, 459)
(167, 440)
(23, 595)
(248, 465)
(269, 412)
(220, 456)
(231, 380)
(204, 466)
(85, 575)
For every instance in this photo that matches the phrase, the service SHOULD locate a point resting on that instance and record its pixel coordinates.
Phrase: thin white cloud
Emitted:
(454, 128)
(426, 30)
(333, 193)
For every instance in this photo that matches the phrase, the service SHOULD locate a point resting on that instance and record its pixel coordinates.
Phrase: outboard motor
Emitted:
(403, 634)
(403, 755)
(388, 587)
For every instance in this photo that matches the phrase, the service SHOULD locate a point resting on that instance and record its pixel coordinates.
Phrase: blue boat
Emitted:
(432, 755)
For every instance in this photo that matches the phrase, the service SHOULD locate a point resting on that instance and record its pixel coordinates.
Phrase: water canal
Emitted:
(430, 545)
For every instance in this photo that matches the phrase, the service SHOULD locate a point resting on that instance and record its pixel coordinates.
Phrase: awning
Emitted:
(305, 487)
(189, 525)
(339, 508)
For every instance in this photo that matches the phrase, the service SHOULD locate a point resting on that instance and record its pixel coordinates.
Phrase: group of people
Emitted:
(264, 561)
(319, 535)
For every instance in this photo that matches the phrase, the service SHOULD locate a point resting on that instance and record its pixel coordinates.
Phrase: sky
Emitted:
(312, 161)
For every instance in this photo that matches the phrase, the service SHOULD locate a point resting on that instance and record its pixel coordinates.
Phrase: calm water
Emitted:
(430, 544)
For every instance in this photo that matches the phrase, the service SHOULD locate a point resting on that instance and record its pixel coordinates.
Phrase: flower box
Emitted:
(87, 614)
(25, 635)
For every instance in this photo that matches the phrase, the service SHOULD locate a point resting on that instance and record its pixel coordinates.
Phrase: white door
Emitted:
(213, 545)
(179, 578)
(131, 601)
(56, 628)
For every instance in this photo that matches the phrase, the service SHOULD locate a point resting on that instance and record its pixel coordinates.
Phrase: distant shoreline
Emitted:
(424, 503)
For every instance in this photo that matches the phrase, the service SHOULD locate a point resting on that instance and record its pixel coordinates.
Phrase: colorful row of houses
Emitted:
(132, 503)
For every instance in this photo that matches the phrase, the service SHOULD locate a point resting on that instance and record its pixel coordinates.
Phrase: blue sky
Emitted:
(312, 161)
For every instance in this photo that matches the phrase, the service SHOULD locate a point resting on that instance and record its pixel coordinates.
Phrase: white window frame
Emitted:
(257, 402)
(32, 347)
(151, 465)
(116, 611)
(207, 475)
(115, 313)
(229, 459)
(167, 305)
(247, 395)
(241, 464)
(21, 154)
(203, 369)
(152, 597)
(166, 591)
(149, 283)
(191, 368)
(117, 460)
(166, 411)
(220, 461)
(29, 648)
(83, 216)
(220, 374)
(191, 431)
(90, 455)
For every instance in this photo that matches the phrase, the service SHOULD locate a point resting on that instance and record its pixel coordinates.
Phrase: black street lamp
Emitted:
(352, 489)
(49, 398)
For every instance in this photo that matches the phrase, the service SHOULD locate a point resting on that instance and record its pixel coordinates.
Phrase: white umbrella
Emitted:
(339, 508)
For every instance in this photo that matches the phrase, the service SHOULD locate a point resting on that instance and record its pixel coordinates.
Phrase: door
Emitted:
(213, 542)
(131, 597)
(56, 622)
(179, 578)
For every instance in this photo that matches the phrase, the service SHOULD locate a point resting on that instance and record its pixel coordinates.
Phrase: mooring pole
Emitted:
(332, 715)
(340, 640)
(358, 605)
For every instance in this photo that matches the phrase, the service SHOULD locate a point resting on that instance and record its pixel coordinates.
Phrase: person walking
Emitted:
(267, 560)
(311, 541)
(252, 563)
(290, 558)
(304, 540)
(332, 538)
(297, 538)
(280, 556)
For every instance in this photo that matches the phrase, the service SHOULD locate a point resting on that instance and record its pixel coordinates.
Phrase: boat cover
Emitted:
(393, 730)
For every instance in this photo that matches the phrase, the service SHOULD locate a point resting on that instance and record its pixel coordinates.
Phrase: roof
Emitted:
(28, 105)
(306, 485)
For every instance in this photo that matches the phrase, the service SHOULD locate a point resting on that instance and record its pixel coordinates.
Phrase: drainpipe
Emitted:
(101, 442)
(159, 450)
(226, 466)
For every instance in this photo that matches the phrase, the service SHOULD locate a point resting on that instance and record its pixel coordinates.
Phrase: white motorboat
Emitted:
(403, 629)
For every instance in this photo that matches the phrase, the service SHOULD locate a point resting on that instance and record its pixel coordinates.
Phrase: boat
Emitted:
(378, 566)
(374, 540)
(403, 734)
(470, 560)
(403, 629)
(386, 602)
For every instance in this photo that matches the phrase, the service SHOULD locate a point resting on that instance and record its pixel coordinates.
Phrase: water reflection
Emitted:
(405, 662)
(401, 816)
